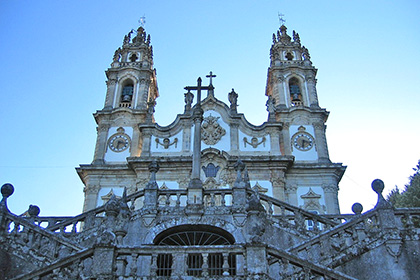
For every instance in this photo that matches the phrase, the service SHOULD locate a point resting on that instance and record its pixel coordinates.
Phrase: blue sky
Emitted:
(54, 54)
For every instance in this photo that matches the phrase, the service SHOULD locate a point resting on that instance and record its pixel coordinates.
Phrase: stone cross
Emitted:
(198, 88)
(211, 76)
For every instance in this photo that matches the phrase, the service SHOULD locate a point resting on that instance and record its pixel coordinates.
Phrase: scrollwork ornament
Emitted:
(254, 142)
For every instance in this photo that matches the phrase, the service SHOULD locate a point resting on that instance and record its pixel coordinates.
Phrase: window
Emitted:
(133, 57)
(295, 93)
(127, 94)
(194, 235)
(310, 224)
(164, 264)
(289, 56)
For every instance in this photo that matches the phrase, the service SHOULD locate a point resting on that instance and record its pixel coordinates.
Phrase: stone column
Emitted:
(101, 141)
(321, 142)
(195, 188)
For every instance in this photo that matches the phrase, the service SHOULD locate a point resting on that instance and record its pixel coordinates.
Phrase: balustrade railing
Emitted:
(408, 218)
(73, 224)
(78, 266)
(28, 236)
(172, 198)
(336, 241)
(289, 215)
(218, 197)
(170, 261)
(292, 267)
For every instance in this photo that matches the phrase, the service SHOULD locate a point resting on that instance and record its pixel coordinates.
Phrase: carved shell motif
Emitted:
(211, 131)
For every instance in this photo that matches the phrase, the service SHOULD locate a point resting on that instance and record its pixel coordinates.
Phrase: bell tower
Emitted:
(130, 99)
(291, 76)
(293, 102)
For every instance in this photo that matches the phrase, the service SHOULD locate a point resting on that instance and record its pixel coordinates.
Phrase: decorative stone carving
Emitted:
(210, 170)
(211, 131)
(311, 200)
(254, 142)
(233, 99)
(166, 143)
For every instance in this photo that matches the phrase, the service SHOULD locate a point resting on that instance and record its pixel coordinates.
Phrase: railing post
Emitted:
(153, 266)
(226, 264)
(205, 265)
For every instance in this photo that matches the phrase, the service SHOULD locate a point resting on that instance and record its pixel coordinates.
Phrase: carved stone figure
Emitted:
(211, 131)
(233, 99)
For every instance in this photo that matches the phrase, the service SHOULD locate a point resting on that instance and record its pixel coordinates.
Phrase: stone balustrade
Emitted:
(292, 267)
(292, 216)
(28, 236)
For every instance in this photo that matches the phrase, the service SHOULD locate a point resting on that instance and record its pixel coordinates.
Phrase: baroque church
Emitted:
(211, 196)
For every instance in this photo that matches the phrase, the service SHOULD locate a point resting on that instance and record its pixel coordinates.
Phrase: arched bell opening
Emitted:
(127, 93)
(295, 92)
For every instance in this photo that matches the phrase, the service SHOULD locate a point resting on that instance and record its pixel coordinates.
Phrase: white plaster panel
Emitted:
(265, 184)
(114, 157)
(310, 155)
(263, 147)
(159, 148)
(118, 191)
(305, 190)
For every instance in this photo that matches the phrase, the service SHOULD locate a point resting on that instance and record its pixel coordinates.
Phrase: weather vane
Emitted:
(281, 19)
(142, 21)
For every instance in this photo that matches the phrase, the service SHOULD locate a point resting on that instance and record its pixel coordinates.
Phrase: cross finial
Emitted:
(211, 76)
(281, 19)
(142, 21)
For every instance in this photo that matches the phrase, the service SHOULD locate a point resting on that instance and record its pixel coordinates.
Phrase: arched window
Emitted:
(133, 57)
(127, 94)
(195, 235)
(295, 93)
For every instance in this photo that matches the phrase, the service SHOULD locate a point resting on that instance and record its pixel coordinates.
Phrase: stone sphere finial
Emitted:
(378, 186)
(357, 208)
(7, 190)
(33, 210)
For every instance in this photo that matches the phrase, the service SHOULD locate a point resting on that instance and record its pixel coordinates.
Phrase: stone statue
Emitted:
(296, 37)
(305, 54)
(189, 97)
(233, 99)
(117, 55)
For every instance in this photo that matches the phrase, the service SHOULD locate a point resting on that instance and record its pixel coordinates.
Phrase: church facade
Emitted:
(211, 196)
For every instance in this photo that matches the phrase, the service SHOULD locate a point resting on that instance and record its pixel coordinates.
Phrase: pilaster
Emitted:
(321, 142)
(100, 149)
(109, 100)
(234, 138)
